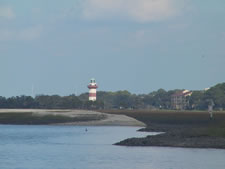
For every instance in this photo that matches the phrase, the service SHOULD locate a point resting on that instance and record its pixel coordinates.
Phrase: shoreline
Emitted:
(65, 117)
(180, 129)
(186, 130)
(176, 140)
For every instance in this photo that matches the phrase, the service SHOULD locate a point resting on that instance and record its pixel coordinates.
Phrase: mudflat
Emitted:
(64, 117)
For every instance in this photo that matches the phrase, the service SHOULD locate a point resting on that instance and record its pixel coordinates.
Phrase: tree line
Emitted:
(160, 99)
(49, 102)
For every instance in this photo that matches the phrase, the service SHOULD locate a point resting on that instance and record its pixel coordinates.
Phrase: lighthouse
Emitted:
(92, 90)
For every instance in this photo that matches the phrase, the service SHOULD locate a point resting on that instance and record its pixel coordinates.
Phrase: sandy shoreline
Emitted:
(108, 120)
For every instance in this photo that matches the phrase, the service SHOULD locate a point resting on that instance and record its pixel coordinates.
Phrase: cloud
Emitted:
(6, 12)
(135, 10)
(30, 33)
(26, 34)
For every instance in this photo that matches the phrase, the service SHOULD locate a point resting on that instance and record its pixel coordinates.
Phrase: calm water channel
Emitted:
(70, 147)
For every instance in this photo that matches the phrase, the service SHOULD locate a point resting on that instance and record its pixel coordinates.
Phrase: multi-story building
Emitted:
(179, 100)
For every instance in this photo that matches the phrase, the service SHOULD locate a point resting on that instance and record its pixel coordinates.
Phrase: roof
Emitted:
(182, 93)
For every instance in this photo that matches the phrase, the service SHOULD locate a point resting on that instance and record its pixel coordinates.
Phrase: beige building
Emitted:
(179, 100)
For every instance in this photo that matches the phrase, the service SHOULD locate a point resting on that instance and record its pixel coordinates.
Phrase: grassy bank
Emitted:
(35, 119)
(188, 118)
(182, 128)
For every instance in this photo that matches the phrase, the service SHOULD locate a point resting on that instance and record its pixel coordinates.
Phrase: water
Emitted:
(70, 147)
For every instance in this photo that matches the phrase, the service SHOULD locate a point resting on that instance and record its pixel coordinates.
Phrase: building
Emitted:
(179, 99)
(92, 90)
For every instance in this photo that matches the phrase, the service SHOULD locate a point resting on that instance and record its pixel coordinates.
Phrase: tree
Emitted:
(197, 100)
(217, 94)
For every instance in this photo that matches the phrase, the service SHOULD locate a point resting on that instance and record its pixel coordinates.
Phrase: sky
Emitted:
(56, 47)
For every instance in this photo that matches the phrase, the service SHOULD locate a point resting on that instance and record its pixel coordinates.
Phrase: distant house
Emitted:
(179, 99)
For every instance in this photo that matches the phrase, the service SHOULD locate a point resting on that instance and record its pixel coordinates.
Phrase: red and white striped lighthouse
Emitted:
(92, 90)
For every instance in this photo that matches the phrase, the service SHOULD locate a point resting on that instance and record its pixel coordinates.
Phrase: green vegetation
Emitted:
(49, 102)
(160, 99)
(30, 118)
(200, 99)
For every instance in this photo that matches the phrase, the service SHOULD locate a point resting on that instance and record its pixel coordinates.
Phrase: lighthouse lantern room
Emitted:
(92, 90)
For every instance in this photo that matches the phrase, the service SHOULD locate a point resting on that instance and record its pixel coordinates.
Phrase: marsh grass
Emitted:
(29, 118)
(183, 123)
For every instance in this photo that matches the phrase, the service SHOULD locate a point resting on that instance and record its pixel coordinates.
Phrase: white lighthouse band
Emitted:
(92, 90)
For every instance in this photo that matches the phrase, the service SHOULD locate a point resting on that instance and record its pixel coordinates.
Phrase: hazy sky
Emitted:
(135, 45)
